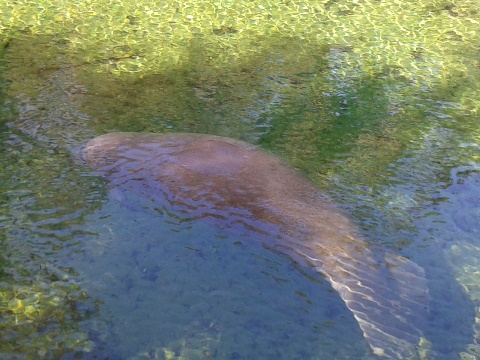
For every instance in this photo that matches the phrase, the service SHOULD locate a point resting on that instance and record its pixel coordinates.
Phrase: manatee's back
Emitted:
(207, 175)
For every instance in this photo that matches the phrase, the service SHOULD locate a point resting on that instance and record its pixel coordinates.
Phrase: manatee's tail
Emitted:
(389, 301)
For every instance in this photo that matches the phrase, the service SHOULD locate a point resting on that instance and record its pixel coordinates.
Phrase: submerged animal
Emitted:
(235, 184)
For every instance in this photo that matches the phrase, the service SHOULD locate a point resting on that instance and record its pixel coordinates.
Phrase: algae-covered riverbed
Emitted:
(376, 102)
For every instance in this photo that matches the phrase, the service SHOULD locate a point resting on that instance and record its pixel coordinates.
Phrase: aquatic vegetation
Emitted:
(408, 37)
(41, 191)
(37, 316)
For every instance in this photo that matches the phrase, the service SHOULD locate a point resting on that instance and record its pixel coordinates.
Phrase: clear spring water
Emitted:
(86, 275)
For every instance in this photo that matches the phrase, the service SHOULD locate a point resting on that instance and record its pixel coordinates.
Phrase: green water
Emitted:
(376, 102)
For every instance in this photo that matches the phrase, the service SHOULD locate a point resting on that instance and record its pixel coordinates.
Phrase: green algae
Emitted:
(151, 36)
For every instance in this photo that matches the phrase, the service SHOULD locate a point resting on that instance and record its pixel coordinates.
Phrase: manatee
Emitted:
(237, 185)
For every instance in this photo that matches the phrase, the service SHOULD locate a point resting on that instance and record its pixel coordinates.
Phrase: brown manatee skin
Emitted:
(235, 184)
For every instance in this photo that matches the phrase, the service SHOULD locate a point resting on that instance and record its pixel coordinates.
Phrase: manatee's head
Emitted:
(107, 149)
(205, 154)
(99, 151)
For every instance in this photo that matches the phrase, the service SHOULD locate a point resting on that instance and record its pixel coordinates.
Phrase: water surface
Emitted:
(376, 103)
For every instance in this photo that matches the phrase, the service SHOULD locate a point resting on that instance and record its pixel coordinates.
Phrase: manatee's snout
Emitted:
(97, 150)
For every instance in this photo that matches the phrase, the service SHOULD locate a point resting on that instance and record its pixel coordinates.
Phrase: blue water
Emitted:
(189, 289)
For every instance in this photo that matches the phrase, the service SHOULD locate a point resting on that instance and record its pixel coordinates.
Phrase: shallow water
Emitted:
(390, 131)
